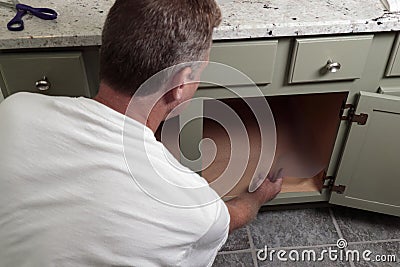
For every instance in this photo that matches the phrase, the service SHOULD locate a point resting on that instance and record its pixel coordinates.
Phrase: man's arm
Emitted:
(244, 208)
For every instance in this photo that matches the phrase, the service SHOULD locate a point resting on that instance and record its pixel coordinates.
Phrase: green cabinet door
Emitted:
(369, 170)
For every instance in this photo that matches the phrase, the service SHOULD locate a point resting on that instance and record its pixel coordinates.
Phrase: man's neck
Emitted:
(120, 102)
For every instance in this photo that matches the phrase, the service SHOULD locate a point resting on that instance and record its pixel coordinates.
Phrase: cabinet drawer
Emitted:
(346, 56)
(394, 61)
(256, 59)
(65, 73)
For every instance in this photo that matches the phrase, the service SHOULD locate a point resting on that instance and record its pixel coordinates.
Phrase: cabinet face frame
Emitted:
(369, 167)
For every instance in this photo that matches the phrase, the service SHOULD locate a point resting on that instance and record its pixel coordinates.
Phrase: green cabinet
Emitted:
(346, 123)
(328, 116)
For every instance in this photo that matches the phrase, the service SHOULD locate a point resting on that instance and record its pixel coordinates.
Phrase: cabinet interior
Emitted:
(306, 127)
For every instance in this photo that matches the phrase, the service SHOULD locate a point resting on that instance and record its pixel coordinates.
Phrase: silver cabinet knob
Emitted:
(43, 84)
(333, 66)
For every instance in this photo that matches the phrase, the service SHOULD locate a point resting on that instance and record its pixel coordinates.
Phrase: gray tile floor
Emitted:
(305, 231)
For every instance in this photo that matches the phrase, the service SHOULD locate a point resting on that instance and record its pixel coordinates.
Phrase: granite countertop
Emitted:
(80, 21)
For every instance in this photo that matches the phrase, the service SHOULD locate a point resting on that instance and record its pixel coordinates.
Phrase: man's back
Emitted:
(67, 197)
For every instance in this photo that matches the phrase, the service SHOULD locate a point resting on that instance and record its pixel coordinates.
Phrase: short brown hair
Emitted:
(143, 37)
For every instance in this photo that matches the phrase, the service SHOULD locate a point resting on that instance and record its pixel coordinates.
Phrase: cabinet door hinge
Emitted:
(361, 119)
(334, 188)
(338, 189)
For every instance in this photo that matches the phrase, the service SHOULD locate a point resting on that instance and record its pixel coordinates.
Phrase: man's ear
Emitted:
(180, 81)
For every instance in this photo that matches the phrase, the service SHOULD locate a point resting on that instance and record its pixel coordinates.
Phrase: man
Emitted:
(67, 196)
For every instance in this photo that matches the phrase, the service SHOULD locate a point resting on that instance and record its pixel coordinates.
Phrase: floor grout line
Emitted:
(252, 247)
(303, 247)
(373, 241)
(234, 251)
(335, 223)
(312, 246)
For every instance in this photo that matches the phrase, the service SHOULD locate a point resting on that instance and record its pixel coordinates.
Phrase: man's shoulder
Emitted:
(15, 98)
(21, 96)
(18, 104)
(36, 104)
(34, 109)
(22, 100)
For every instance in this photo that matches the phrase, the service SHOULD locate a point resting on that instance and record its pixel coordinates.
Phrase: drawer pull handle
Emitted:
(43, 84)
(333, 66)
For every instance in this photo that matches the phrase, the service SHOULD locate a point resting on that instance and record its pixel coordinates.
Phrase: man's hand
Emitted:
(244, 208)
(268, 190)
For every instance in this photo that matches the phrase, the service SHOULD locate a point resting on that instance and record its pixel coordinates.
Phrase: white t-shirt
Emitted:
(76, 191)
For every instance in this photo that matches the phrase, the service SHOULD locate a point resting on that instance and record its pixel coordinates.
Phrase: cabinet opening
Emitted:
(306, 127)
